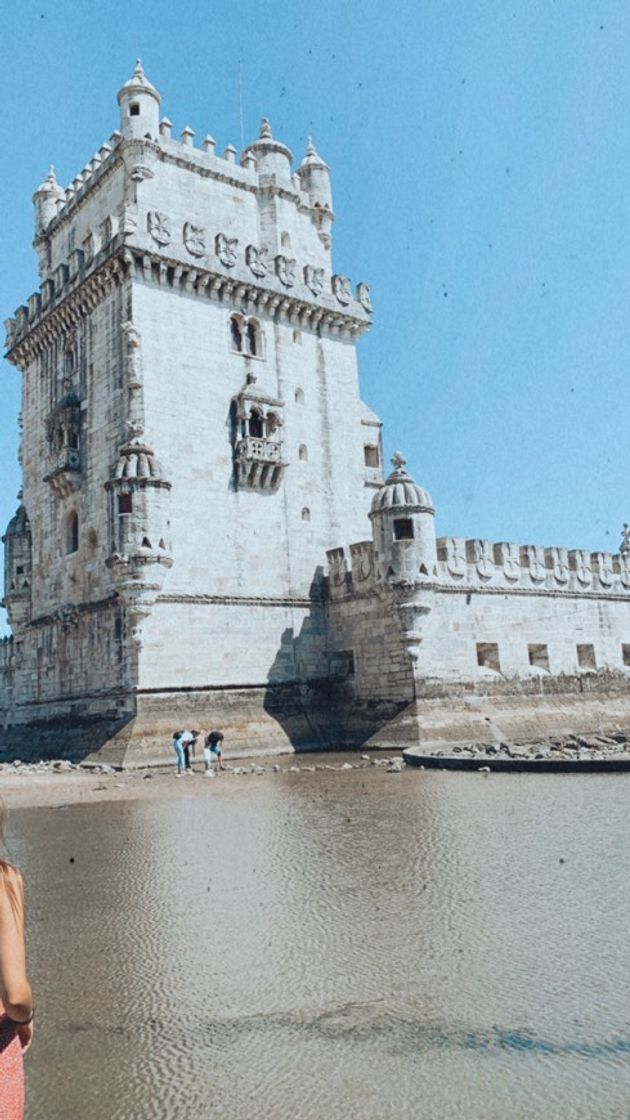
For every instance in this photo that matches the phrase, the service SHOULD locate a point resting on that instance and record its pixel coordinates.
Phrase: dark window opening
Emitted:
(146, 543)
(306, 514)
(236, 336)
(256, 425)
(586, 657)
(252, 339)
(72, 533)
(73, 440)
(134, 110)
(125, 503)
(538, 657)
(19, 571)
(625, 653)
(161, 543)
(303, 452)
(488, 656)
(403, 529)
(371, 456)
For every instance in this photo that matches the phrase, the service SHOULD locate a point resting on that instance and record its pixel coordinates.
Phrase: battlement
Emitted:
(480, 565)
(130, 196)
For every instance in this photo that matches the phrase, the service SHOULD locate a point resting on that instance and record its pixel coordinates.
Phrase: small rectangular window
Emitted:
(371, 456)
(539, 657)
(134, 110)
(625, 653)
(125, 504)
(403, 529)
(488, 656)
(586, 657)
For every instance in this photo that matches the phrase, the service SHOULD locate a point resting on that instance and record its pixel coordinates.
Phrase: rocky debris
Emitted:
(566, 748)
(395, 765)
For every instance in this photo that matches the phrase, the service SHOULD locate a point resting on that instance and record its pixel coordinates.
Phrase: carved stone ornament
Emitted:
(194, 239)
(225, 248)
(129, 219)
(456, 556)
(625, 538)
(159, 227)
(285, 270)
(605, 569)
(624, 569)
(507, 556)
(363, 296)
(560, 564)
(257, 260)
(134, 356)
(67, 615)
(337, 566)
(362, 560)
(535, 562)
(482, 558)
(341, 289)
(135, 428)
(583, 569)
(314, 278)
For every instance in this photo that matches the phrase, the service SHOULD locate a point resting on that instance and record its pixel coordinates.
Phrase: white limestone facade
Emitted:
(204, 534)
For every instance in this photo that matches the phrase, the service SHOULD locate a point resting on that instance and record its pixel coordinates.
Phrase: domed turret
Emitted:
(45, 200)
(17, 568)
(403, 527)
(272, 157)
(315, 178)
(139, 107)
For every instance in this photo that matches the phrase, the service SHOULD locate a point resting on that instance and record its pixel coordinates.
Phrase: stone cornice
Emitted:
(55, 311)
(241, 600)
(239, 290)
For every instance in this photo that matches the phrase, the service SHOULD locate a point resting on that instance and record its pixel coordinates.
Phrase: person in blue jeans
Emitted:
(181, 739)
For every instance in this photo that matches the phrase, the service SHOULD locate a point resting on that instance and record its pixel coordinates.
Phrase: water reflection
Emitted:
(334, 944)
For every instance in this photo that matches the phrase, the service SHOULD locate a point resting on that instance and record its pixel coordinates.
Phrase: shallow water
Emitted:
(333, 945)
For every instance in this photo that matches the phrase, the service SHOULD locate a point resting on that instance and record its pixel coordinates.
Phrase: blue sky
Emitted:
(480, 153)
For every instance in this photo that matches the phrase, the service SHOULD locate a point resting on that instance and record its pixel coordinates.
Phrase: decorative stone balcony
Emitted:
(258, 463)
(64, 474)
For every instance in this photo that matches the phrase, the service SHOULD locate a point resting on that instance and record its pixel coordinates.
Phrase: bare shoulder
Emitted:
(11, 883)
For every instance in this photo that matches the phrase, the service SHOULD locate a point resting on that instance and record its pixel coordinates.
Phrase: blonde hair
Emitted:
(10, 878)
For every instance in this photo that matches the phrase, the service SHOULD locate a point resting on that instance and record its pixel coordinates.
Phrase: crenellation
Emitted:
(204, 506)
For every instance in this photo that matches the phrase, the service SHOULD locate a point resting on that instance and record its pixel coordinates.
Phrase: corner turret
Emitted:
(139, 107)
(403, 527)
(315, 177)
(45, 201)
(17, 569)
(272, 157)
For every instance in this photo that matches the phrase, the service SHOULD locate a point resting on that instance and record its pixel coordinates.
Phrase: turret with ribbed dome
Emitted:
(272, 157)
(315, 177)
(139, 107)
(403, 527)
(17, 568)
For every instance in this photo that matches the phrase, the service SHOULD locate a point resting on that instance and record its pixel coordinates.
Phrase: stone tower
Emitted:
(193, 435)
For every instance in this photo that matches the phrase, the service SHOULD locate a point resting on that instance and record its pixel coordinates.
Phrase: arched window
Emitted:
(273, 423)
(72, 532)
(299, 396)
(303, 452)
(306, 514)
(236, 335)
(285, 240)
(256, 424)
(297, 336)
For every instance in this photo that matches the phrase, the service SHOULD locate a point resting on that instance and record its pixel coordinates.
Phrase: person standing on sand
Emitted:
(16, 1006)
(178, 746)
(212, 752)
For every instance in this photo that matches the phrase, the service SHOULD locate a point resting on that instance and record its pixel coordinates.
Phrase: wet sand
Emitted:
(327, 943)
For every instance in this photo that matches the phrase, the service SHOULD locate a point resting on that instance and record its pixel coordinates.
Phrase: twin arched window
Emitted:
(246, 336)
